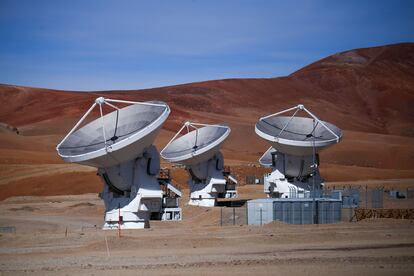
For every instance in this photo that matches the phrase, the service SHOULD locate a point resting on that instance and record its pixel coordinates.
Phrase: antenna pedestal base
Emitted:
(126, 225)
(292, 176)
(276, 185)
(205, 194)
(132, 192)
(208, 182)
(205, 202)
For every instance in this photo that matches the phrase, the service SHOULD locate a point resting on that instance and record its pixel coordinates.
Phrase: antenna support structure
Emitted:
(294, 152)
(198, 150)
(119, 145)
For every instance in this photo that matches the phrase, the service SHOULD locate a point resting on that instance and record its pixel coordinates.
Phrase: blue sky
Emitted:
(103, 45)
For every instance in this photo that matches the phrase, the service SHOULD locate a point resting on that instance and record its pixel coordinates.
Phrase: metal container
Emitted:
(329, 210)
(294, 210)
(260, 211)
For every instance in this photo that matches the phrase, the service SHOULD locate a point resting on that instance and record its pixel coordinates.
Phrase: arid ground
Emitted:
(368, 93)
(195, 246)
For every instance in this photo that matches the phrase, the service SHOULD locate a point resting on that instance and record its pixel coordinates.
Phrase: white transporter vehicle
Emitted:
(199, 151)
(293, 155)
(119, 145)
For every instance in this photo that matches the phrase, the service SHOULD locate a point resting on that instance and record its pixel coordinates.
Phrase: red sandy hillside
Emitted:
(369, 90)
(369, 93)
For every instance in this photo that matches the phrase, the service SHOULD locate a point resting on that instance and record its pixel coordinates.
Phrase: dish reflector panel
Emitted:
(116, 137)
(297, 135)
(197, 145)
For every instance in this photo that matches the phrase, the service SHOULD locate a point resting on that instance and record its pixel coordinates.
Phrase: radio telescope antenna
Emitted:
(295, 143)
(296, 135)
(198, 149)
(119, 144)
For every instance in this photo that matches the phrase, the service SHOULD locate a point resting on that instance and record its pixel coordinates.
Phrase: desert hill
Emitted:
(369, 93)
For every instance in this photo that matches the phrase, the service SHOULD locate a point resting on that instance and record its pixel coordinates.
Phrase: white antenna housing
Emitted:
(293, 155)
(199, 151)
(119, 144)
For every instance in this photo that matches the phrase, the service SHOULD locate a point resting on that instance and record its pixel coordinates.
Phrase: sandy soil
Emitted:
(197, 245)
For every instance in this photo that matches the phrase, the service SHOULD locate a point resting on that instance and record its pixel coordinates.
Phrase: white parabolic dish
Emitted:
(196, 146)
(297, 135)
(128, 131)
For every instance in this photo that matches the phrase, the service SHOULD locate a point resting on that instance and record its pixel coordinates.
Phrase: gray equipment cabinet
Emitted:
(260, 211)
(293, 210)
